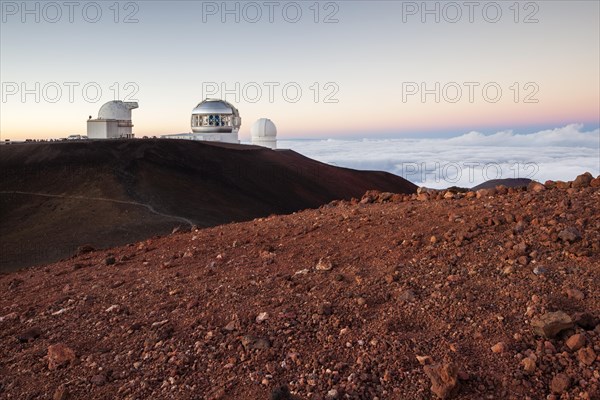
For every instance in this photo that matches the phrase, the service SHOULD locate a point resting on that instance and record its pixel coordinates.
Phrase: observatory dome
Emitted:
(263, 128)
(117, 109)
(215, 116)
(264, 133)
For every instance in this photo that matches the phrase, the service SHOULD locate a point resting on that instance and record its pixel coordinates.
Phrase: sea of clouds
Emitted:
(467, 160)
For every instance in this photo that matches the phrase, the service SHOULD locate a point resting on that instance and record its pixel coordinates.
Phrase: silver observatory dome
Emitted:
(216, 116)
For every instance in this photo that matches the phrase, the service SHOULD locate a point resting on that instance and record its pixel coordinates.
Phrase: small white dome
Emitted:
(263, 128)
(117, 109)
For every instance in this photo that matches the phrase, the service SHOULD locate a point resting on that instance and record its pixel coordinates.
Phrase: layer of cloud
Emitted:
(467, 160)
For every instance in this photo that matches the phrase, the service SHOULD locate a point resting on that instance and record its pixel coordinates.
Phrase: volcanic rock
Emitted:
(586, 355)
(570, 234)
(582, 181)
(536, 187)
(61, 393)
(551, 324)
(444, 379)
(575, 294)
(29, 335)
(59, 355)
(499, 348)
(560, 383)
(528, 365)
(575, 342)
(254, 343)
(98, 380)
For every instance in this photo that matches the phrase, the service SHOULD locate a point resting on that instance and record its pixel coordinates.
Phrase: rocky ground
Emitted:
(480, 295)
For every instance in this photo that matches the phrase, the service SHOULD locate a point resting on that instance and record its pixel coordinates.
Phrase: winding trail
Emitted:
(133, 203)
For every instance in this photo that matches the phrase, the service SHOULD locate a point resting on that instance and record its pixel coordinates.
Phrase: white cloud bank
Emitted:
(467, 160)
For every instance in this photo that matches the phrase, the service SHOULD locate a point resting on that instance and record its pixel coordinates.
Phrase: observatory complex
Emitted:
(217, 120)
(213, 120)
(113, 122)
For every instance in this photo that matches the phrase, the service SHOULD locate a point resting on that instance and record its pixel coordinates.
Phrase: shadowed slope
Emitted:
(55, 197)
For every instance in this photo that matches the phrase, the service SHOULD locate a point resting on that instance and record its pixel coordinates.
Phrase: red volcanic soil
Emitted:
(55, 197)
(487, 295)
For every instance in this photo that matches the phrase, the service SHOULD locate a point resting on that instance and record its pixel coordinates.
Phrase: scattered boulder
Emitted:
(324, 264)
(61, 393)
(499, 348)
(575, 342)
(110, 260)
(254, 343)
(444, 379)
(281, 393)
(585, 320)
(407, 296)
(551, 324)
(325, 309)
(582, 181)
(424, 360)
(98, 380)
(560, 383)
(84, 249)
(536, 187)
(15, 283)
(13, 316)
(423, 196)
(570, 234)
(385, 197)
(59, 355)
(374, 196)
(233, 325)
(528, 365)
(586, 355)
(263, 316)
(575, 294)
(29, 335)
(485, 193)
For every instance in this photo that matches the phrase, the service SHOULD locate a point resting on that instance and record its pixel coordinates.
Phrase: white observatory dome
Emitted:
(263, 128)
(117, 109)
(216, 116)
(264, 133)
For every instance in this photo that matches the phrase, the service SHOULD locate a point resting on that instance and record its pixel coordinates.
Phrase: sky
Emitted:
(320, 70)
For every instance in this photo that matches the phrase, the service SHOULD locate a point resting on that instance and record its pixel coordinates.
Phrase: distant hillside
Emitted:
(55, 197)
(510, 182)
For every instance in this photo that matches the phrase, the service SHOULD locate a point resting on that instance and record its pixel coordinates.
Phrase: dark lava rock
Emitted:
(29, 335)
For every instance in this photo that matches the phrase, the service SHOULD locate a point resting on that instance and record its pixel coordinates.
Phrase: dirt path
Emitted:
(147, 206)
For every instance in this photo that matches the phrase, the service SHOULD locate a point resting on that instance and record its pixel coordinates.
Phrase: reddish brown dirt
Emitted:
(446, 280)
(55, 197)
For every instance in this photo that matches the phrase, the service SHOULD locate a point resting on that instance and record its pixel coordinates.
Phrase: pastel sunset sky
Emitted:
(360, 66)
